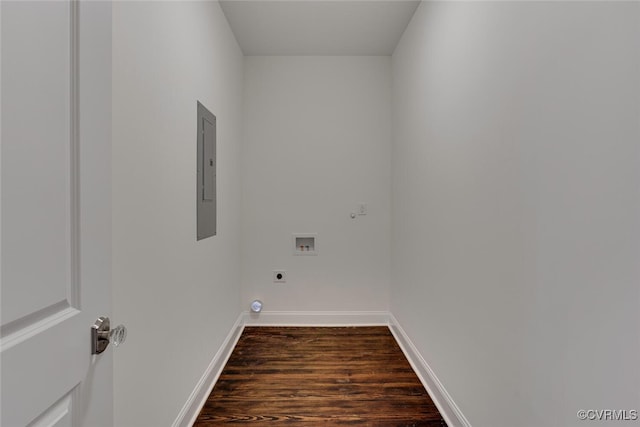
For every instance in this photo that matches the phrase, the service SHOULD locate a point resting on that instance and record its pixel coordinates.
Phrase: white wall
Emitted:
(179, 298)
(516, 205)
(316, 143)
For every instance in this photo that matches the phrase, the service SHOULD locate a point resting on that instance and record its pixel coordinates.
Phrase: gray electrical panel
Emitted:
(206, 184)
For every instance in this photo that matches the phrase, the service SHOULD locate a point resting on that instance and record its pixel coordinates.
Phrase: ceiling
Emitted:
(318, 27)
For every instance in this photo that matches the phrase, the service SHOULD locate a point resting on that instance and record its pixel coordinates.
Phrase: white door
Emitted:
(56, 212)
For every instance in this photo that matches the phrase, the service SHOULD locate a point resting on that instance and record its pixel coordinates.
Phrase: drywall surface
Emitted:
(317, 143)
(179, 298)
(516, 205)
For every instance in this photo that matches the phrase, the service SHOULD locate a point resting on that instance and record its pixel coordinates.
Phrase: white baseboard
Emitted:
(443, 401)
(199, 395)
(317, 318)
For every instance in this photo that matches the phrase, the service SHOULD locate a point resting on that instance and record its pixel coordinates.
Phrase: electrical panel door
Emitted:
(206, 182)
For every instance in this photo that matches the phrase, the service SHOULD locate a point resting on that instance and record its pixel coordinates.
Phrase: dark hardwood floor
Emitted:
(318, 377)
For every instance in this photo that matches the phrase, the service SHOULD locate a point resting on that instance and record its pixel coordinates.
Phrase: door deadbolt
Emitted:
(102, 335)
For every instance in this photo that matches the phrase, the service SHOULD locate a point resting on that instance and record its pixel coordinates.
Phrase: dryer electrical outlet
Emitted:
(206, 176)
(279, 276)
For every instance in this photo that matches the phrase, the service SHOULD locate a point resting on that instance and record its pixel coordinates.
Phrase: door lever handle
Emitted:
(102, 335)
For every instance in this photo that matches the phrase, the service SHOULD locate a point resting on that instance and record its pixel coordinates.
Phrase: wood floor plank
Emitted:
(312, 376)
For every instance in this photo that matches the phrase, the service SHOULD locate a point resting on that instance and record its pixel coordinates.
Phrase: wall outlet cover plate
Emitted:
(279, 276)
